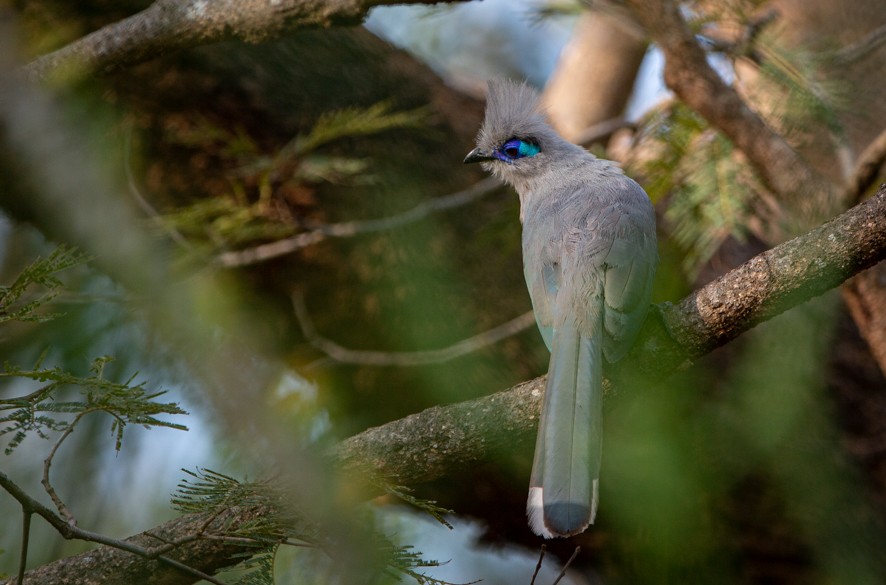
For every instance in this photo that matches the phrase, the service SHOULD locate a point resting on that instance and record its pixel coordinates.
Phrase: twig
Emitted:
(72, 532)
(146, 206)
(867, 169)
(689, 75)
(865, 46)
(319, 232)
(541, 558)
(406, 358)
(47, 463)
(600, 130)
(566, 566)
(26, 538)
(743, 45)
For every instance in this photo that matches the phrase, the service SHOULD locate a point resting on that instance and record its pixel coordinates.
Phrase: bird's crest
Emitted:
(512, 111)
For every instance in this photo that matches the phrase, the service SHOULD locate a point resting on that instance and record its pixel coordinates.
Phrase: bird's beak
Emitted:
(476, 156)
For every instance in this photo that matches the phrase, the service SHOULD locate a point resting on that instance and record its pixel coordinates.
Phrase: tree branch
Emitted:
(167, 26)
(442, 439)
(347, 229)
(130, 551)
(867, 169)
(778, 279)
(344, 355)
(689, 75)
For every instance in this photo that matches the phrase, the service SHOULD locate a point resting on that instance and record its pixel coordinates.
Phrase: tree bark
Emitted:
(111, 566)
(167, 26)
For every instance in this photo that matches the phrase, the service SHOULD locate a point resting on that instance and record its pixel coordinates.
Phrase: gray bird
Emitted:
(589, 257)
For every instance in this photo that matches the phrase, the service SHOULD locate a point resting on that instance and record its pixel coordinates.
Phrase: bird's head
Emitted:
(515, 142)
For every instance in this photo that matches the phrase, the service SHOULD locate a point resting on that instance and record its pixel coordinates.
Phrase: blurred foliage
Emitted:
(808, 98)
(705, 187)
(710, 203)
(558, 8)
(124, 402)
(41, 273)
(251, 212)
(712, 193)
(207, 491)
(34, 412)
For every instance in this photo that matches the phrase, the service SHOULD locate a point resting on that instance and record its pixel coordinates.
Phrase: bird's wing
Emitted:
(542, 289)
(629, 267)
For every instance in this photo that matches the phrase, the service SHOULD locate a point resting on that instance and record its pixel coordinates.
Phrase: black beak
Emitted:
(476, 156)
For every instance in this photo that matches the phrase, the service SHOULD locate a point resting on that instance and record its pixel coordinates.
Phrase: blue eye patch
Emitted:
(514, 149)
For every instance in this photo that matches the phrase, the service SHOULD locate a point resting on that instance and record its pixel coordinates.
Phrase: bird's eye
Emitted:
(516, 148)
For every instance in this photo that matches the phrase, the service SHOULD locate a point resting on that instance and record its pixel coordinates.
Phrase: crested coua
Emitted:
(589, 257)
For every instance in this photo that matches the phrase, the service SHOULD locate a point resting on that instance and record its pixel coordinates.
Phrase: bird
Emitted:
(589, 258)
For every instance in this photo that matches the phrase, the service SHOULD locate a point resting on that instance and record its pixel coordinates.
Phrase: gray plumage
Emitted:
(589, 257)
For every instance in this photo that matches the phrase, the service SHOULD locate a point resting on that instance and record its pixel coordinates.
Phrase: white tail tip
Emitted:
(535, 510)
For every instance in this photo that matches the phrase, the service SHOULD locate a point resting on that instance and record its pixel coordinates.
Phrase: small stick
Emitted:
(541, 557)
(566, 566)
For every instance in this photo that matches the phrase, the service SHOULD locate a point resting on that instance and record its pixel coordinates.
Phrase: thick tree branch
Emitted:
(778, 279)
(146, 557)
(167, 26)
(442, 439)
(688, 74)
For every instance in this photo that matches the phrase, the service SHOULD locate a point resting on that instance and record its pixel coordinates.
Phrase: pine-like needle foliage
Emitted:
(710, 203)
(42, 411)
(429, 506)
(706, 185)
(253, 211)
(208, 492)
(18, 301)
(712, 193)
(351, 122)
(260, 570)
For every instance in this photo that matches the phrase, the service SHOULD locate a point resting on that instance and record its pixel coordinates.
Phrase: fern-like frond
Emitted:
(208, 490)
(404, 560)
(710, 203)
(205, 492)
(38, 412)
(354, 122)
(428, 506)
(15, 304)
(260, 569)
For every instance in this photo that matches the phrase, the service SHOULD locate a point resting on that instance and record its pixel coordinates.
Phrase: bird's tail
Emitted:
(566, 468)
